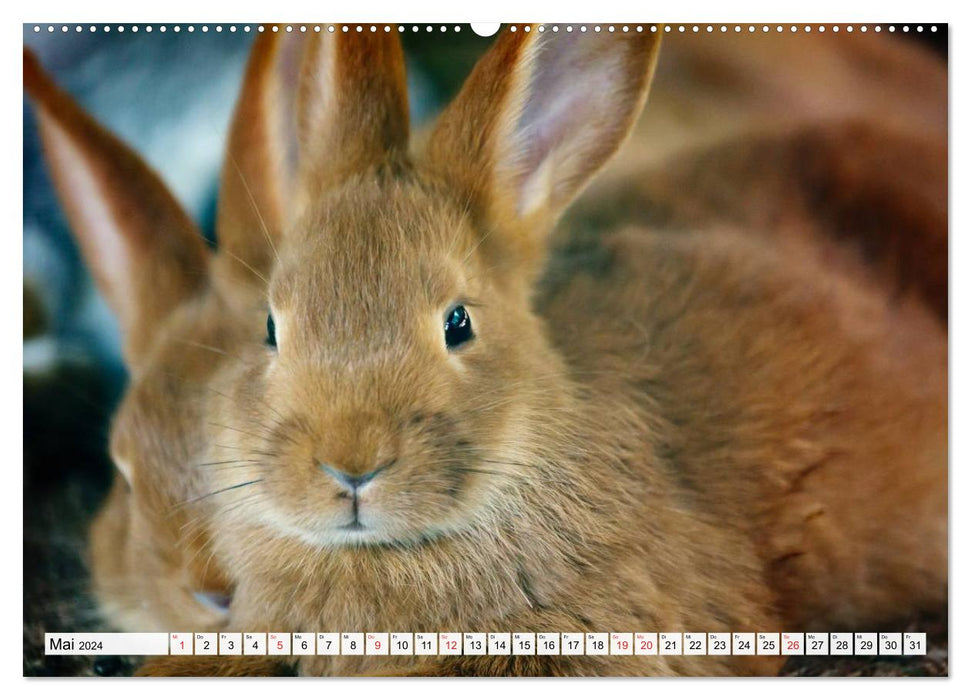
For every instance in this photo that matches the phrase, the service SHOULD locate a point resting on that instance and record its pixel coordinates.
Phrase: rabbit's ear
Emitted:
(146, 255)
(352, 107)
(260, 163)
(539, 115)
(313, 110)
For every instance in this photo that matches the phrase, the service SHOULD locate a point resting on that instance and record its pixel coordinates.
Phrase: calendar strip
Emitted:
(488, 643)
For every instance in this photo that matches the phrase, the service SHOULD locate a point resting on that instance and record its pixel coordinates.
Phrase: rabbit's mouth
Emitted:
(354, 525)
(364, 529)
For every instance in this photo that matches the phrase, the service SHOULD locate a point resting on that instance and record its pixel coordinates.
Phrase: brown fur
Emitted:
(691, 421)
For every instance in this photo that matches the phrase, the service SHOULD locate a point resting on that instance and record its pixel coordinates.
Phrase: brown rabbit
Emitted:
(151, 563)
(393, 402)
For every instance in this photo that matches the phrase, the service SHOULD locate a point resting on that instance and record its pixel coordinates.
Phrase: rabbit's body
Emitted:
(704, 410)
(788, 475)
(824, 250)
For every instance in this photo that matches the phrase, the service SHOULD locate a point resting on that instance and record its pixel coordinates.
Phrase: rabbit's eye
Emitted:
(458, 327)
(270, 331)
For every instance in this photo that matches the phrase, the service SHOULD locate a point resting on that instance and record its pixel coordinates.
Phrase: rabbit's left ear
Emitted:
(539, 115)
(146, 255)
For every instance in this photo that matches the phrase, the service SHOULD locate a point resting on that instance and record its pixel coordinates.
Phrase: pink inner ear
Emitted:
(573, 100)
(88, 203)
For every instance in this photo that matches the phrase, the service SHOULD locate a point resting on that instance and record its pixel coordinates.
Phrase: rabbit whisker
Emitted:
(472, 470)
(203, 346)
(226, 461)
(219, 491)
(271, 455)
(246, 265)
(265, 436)
(256, 208)
(480, 242)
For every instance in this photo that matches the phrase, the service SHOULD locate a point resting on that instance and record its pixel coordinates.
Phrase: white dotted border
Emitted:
(401, 28)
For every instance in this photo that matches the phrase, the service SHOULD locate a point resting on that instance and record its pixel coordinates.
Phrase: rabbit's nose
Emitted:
(350, 482)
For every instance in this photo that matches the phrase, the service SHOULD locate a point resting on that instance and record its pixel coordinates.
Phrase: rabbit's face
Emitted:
(395, 385)
(386, 398)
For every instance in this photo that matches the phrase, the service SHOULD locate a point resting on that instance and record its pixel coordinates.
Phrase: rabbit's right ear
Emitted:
(313, 110)
(146, 255)
(260, 163)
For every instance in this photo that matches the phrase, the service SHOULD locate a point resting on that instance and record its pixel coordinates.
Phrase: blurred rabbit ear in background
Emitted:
(170, 97)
